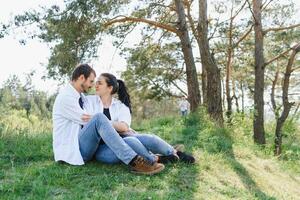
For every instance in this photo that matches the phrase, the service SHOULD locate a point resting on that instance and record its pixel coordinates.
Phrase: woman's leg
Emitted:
(106, 155)
(155, 144)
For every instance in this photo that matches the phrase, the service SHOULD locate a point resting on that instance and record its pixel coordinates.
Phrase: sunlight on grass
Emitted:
(228, 166)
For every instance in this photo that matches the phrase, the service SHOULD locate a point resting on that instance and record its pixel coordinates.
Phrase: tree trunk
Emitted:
(258, 124)
(192, 79)
(228, 67)
(228, 75)
(214, 96)
(223, 93)
(285, 101)
(204, 84)
(273, 102)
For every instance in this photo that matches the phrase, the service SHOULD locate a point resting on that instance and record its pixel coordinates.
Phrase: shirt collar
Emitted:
(74, 92)
(113, 101)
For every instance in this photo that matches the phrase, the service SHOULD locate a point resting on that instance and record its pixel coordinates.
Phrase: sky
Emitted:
(21, 59)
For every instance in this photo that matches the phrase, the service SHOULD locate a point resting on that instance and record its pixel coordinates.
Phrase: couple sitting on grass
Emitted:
(97, 127)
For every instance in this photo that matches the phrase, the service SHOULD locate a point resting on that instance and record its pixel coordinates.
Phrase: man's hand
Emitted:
(86, 117)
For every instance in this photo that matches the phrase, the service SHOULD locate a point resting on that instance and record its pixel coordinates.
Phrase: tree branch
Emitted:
(265, 5)
(296, 68)
(120, 19)
(280, 28)
(189, 16)
(278, 56)
(239, 10)
(244, 36)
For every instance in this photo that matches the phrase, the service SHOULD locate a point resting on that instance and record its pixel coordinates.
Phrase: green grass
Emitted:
(229, 166)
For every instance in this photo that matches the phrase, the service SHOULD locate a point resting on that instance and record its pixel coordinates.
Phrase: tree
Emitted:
(214, 97)
(258, 123)
(260, 64)
(280, 119)
(192, 79)
(154, 70)
(182, 32)
(76, 31)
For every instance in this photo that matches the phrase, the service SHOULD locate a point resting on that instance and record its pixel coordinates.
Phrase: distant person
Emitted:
(184, 106)
(119, 113)
(77, 134)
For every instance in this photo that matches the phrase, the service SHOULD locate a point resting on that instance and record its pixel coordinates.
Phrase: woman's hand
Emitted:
(86, 117)
(120, 126)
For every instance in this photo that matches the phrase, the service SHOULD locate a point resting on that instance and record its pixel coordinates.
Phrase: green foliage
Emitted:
(17, 122)
(153, 70)
(72, 32)
(15, 97)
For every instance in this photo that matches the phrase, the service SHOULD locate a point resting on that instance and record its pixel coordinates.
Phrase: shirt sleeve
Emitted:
(124, 114)
(68, 107)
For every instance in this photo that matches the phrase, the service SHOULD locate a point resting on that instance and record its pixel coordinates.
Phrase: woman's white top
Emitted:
(119, 112)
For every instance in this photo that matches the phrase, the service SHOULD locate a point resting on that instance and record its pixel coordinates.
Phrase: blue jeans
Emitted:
(183, 112)
(100, 128)
(145, 145)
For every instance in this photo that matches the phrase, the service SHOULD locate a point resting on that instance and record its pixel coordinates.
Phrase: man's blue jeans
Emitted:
(183, 112)
(100, 128)
(145, 145)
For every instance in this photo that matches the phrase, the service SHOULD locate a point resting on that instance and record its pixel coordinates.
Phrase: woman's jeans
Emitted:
(145, 145)
(100, 128)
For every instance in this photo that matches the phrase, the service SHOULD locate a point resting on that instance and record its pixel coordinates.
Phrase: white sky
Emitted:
(19, 59)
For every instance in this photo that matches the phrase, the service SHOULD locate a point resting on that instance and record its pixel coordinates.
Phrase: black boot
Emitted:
(168, 159)
(185, 157)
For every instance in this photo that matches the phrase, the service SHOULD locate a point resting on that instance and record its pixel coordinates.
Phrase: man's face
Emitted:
(88, 83)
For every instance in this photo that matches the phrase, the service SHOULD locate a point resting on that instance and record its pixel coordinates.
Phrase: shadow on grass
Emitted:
(28, 171)
(217, 141)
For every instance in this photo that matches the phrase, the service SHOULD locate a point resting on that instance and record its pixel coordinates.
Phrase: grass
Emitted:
(229, 166)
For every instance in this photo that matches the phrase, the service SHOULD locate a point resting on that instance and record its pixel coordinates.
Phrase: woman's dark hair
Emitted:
(118, 87)
(84, 69)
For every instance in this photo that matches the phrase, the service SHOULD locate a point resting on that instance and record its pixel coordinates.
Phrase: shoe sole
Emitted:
(150, 173)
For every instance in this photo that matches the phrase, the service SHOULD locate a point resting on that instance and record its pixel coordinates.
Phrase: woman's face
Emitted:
(102, 88)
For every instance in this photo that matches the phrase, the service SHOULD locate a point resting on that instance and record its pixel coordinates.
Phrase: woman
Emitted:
(119, 113)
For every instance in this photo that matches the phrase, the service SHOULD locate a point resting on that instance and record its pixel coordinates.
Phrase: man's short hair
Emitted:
(84, 69)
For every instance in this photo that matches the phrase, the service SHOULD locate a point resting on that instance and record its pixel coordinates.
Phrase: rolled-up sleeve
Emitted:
(68, 107)
(124, 114)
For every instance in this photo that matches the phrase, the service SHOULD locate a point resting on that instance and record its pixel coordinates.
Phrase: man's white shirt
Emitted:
(67, 121)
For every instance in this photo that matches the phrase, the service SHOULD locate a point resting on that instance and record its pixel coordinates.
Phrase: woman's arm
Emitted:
(120, 127)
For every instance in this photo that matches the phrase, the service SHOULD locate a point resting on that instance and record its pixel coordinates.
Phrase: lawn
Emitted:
(229, 166)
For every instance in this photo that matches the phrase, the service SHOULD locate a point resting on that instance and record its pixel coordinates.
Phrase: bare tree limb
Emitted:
(181, 90)
(280, 28)
(189, 16)
(239, 10)
(265, 4)
(244, 36)
(274, 106)
(277, 57)
(121, 18)
(295, 68)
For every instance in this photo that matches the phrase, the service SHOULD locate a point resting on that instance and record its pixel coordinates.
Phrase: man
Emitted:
(184, 106)
(76, 134)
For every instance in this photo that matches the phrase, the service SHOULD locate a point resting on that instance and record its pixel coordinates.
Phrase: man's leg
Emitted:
(106, 155)
(100, 128)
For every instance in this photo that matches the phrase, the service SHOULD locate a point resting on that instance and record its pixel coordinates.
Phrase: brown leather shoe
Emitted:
(141, 166)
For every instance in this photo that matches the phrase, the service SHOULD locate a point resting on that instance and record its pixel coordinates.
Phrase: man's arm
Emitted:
(68, 107)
